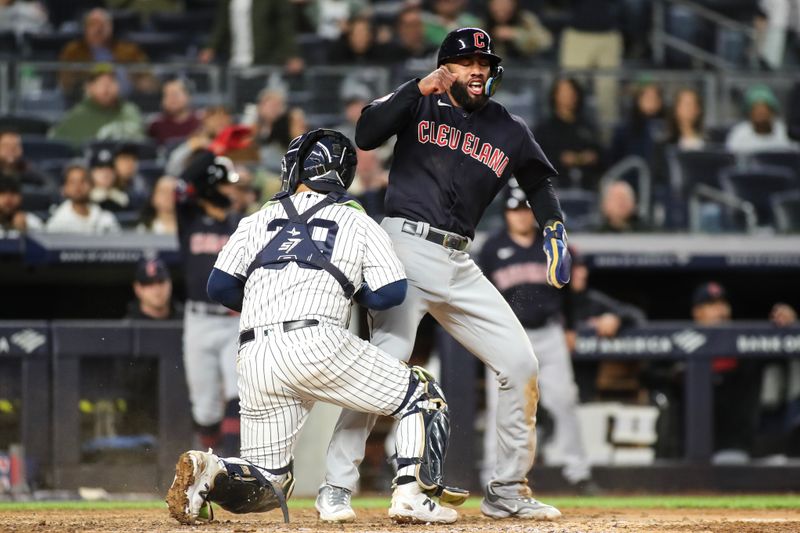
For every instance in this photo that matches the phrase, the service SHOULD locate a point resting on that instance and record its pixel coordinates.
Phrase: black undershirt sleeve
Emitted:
(544, 202)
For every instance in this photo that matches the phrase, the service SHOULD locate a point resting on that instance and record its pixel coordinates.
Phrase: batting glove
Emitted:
(559, 262)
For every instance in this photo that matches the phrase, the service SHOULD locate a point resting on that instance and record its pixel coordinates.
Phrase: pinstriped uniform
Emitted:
(281, 374)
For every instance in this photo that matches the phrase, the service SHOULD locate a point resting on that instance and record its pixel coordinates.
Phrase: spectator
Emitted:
(271, 107)
(254, 33)
(371, 181)
(152, 286)
(762, 130)
(516, 33)
(213, 121)
(606, 317)
(158, 214)
(775, 19)
(12, 217)
(410, 42)
(126, 167)
(619, 211)
(13, 163)
(357, 45)
(330, 17)
(103, 114)
(569, 139)
(23, 17)
(593, 40)
(640, 134)
(447, 15)
(98, 45)
(354, 102)
(77, 214)
(177, 120)
(106, 192)
(685, 127)
(288, 126)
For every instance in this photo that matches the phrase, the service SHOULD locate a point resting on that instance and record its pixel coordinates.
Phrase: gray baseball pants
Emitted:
(450, 286)
(559, 395)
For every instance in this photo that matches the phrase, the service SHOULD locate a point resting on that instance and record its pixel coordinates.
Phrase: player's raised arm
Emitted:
(387, 115)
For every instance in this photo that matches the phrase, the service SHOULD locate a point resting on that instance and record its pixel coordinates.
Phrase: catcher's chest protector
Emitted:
(294, 242)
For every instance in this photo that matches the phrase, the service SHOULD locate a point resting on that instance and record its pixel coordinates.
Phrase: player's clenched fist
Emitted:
(437, 82)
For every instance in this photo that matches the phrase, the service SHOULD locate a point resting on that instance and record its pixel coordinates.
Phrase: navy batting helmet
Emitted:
(206, 171)
(324, 160)
(472, 41)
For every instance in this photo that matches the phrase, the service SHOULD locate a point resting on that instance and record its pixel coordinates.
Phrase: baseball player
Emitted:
(293, 269)
(515, 262)
(455, 149)
(205, 223)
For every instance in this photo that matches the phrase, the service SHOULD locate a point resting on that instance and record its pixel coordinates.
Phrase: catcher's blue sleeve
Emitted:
(384, 297)
(225, 289)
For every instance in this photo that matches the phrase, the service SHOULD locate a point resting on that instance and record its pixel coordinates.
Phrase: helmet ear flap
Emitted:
(494, 81)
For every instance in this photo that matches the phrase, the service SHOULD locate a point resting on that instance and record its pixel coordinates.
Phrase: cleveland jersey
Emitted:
(201, 238)
(520, 274)
(343, 233)
(449, 164)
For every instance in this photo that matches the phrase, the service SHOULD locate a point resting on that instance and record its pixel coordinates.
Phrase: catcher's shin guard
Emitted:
(242, 488)
(429, 412)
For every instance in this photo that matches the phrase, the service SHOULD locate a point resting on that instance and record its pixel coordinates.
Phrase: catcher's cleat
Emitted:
(194, 478)
(411, 506)
(505, 500)
(333, 504)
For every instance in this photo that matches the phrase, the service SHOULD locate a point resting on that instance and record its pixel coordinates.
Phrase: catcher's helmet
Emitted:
(472, 41)
(324, 160)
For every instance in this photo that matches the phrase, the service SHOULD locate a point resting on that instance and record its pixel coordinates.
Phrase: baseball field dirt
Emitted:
(106, 518)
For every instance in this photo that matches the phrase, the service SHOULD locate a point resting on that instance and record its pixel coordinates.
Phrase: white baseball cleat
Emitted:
(503, 501)
(194, 478)
(411, 506)
(333, 504)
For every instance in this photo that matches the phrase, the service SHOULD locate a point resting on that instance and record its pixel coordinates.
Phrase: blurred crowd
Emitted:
(601, 136)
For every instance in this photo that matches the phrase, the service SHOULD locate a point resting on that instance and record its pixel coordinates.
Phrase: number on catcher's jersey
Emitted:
(294, 245)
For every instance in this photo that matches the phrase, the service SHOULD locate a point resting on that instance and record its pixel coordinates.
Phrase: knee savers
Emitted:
(242, 488)
(429, 407)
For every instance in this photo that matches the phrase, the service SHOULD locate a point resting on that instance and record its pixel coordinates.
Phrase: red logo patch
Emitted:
(480, 39)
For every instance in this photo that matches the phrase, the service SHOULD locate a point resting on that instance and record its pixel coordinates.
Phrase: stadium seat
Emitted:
(47, 46)
(702, 166)
(25, 124)
(38, 200)
(786, 206)
(125, 21)
(757, 185)
(9, 45)
(161, 47)
(785, 159)
(38, 148)
(580, 208)
(196, 24)
(150, 171)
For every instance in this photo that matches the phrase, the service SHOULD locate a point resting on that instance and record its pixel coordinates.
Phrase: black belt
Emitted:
(250, 334)
(437, 236)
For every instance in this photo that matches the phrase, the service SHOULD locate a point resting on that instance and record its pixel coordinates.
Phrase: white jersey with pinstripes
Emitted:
(358, 246)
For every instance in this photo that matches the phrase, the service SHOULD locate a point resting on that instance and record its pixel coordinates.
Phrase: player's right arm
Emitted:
(388, 115)
(229, 275)
(384, 278)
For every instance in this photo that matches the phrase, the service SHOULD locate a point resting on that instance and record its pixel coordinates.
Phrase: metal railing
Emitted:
(704, 192)
(661, 39)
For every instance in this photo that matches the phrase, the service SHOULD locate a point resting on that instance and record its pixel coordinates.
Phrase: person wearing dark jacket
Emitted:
(254, 32)
(152, 286)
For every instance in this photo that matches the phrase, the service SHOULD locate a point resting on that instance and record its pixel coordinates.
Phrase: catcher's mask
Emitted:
(324, 160)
